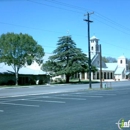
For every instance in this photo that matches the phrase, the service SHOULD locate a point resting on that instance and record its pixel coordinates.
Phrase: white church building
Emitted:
(110, 71)
(115, 71)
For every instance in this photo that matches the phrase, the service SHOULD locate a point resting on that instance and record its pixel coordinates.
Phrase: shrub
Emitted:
(11, 82)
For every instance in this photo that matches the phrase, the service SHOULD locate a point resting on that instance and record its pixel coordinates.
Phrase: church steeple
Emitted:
(94, 47)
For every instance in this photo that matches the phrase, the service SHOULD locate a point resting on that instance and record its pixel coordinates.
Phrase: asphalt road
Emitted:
(74, 109)
(48, 89)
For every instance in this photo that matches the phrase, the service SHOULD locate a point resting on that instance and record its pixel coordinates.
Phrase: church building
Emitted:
(115, 71)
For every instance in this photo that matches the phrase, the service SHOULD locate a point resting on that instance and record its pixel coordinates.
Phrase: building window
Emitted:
(97, 75)
(121, 61)
(92, 48)
(104, 75)
(111, 76)
(108, 75)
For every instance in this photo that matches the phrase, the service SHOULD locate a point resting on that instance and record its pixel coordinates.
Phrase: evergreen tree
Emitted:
(67, 59)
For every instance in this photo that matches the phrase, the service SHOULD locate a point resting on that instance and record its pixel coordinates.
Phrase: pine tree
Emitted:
(67, 59)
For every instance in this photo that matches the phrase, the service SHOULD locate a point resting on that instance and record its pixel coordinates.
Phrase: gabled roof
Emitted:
(5, 68)
(127, 73)
(28, 70)
(119, 70)
(122, 57)
(110, 67)
(94, 58)
(93, 37)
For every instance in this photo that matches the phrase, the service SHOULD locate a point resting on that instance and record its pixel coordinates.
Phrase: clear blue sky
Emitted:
(47, 20)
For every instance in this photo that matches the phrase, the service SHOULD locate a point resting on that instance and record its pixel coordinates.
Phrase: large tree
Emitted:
(18, 50)
(67, 59)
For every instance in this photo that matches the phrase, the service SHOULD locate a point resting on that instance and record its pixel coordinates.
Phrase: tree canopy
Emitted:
(66, 59)
(109, 59)
(19, 49)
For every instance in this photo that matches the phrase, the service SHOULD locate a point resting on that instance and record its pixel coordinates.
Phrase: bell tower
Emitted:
(94, 47)
(122, 62)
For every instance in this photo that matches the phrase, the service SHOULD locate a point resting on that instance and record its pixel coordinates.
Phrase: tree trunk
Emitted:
(67, 78)
(16, 69)
(79, 77)
(16, 78)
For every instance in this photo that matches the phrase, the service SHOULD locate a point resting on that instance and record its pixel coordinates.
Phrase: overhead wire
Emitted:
(112, 21)
(53, 6)
(74, 7)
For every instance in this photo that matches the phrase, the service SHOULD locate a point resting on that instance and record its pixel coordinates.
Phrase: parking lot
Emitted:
(93, 109)
(59, 98)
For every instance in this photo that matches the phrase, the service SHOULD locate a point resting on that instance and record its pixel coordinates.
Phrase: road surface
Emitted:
(67, 107)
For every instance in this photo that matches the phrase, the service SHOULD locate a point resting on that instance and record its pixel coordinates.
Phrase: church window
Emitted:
(92, 48)
(111, 76)
(121, 61)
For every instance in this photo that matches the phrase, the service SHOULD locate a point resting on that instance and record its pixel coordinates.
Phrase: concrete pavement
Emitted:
(47, 89)
(77, 110)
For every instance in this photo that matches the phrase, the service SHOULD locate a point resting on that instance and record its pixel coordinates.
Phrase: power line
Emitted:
(11, 0)
(67, 5)
(76, 7)
(54, 6)
(113, 22)
(97, 14)
(83, 9)
(104, 42)
(51, 31)
(79, 8)
(113, 27)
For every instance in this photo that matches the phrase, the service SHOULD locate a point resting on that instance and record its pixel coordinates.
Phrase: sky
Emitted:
(47, 20)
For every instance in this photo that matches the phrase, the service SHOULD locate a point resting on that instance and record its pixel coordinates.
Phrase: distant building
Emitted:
(117, 71)
(28, 75)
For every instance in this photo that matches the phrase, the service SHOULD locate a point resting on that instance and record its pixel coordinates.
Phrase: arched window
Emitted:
(92, 48)
(120, 61)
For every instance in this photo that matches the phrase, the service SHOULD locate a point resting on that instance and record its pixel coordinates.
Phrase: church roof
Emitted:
(122, 57)
(110, 67)
(28, 70)
(93, 37)
(127, 73)
(119, 70)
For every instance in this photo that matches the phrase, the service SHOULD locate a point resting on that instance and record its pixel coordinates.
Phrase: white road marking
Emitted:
(107, 94)
(94, 96)
(1, 110)
(82, 96)
(80, 93)
(19, 104)
(23, 95)
(43, 101)
(56, 97)
(55, 101)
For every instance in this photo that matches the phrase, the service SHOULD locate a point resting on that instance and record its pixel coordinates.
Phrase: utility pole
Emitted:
(100, 67)
(89, 53)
